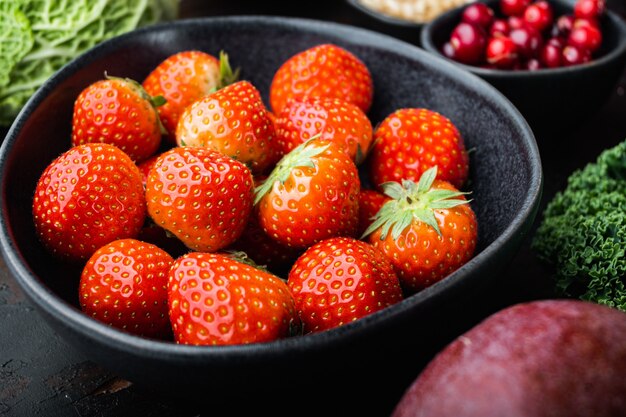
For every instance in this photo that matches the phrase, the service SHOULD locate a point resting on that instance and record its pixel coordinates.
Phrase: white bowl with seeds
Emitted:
(402, 19)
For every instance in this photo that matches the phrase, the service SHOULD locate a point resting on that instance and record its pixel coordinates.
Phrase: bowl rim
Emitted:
(426, 38)
(51, 304)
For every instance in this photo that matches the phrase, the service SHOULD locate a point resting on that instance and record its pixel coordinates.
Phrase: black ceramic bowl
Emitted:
(552, 100)
(361, 366)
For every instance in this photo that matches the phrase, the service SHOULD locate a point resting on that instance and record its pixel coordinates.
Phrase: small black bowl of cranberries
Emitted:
(557, 61)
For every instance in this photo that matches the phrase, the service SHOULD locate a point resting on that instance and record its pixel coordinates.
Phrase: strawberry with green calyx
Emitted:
(311, 195)
(233, 121)
(216, 299)
(427, 230)
(185, 77)
(340, 280)
(120, 112)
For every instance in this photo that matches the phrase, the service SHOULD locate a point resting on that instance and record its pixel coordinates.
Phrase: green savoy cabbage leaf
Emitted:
(38, 37)
(583, 232)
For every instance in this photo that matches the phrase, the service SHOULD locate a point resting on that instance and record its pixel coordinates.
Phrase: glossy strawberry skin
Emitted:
(370, 201)
(215, 300)
(314, 203)
(324, 70)
(181, 79)
(234, 121)
(201, 196)
(124, 284)
(87, 197)
(115, 111)
(411, 140)
(328, 118)
(339, 280)
(420, 256)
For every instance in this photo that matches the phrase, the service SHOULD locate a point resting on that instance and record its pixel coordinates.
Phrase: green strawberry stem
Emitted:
(411, 201)
(301, 156)
(242, 257)
(227, 76)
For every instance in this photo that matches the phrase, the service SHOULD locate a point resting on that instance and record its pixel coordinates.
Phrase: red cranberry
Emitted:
(585, 37)
(516, 22)
(574, 56)
(584, 21)
(591, 9)
(468, 42)
(528, 41)
(539, 15)
(499, 27)
(478, 14)
(557, 42)
(532, 64)
(550, 55)
(501, 52)
(513, 7)
(563, 25)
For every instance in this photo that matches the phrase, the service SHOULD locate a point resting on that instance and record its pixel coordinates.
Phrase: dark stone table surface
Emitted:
(41, 375)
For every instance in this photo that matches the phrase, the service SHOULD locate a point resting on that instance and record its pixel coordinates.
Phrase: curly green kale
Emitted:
(583, 232)
(38, 37)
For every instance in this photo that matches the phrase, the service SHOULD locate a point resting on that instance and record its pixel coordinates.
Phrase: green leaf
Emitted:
(427, 216)
(16, 38)
(393, 189)
(412, 202)
(227, 76)
(242, 257)
(60, 30)
(303, 156)
(158, 101)
(582, 232)
(427, 179)
(436, 195)
(447, 204)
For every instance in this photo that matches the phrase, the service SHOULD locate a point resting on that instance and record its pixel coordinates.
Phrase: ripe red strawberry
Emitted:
(339, 280)
(124, 284)
(201, 196)
(370, 202)
(311, 195)
(324, 70)
(183, 78)
(215, 299)
(428, 230)
(411, 140)
(118, 111)
(87, 197)
(327, 118)
(233, 121)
